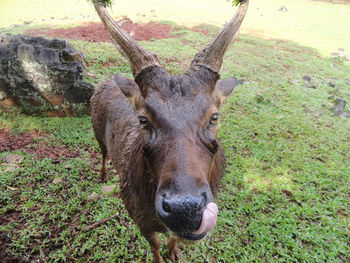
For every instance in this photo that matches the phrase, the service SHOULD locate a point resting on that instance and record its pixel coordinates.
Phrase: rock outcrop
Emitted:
(42, 76)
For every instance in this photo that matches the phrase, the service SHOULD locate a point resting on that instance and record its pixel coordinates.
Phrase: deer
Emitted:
(160, 132)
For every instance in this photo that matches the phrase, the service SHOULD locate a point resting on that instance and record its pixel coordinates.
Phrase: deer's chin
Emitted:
(209, 217)
(187, 237)
(191, 237)
(208, 223)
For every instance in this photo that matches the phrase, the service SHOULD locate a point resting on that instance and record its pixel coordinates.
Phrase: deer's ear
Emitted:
(130, 89)
(223, 89)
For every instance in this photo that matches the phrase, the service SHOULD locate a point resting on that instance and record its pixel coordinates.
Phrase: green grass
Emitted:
(285, 196)
(286, 193)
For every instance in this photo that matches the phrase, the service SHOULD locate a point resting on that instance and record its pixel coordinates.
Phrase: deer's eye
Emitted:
(214, 118)
(143, 121)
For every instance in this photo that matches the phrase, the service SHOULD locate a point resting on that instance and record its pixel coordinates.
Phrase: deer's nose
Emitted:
(189, 203)
(182, 213)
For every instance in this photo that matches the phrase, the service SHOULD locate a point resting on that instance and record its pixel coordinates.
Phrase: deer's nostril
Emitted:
(166, 206)
(202, 202)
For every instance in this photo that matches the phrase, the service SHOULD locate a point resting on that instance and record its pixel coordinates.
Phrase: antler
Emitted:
(139, 57)
(211, 57)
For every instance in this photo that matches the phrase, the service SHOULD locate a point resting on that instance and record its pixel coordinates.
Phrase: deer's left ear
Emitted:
(130, 90)
(223, 89)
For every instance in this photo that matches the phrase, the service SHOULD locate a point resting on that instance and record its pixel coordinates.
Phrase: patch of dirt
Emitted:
(28, 255)
(11, 141)
(4, 244)
(33, 142)
(108, 64)
(55, 152)
(5, 241)
(95, 32)
(199, 30)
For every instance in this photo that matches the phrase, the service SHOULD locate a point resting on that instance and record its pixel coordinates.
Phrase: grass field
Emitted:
(286, 193)
(320, 25)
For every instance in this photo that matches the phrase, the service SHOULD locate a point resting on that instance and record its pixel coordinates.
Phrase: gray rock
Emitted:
(307, 78)
(93, 197)
(346, 114)
(13, 158)
(11, 168)
(42, 76)
(107, 189)
(57, 180)
(339, 106)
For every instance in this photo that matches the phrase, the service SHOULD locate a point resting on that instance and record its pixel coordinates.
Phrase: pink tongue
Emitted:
(209, 217)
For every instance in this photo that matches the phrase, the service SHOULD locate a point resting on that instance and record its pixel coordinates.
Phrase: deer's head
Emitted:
(178, 116)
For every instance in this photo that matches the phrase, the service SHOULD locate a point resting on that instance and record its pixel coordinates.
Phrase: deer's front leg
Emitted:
(173, 250)
(154, 243)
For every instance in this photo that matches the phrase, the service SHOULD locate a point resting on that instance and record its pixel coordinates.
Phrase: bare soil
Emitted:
(38, 144)
(5, 241)
(57, 153)
(39, 149)
(11, 142)
(95, 32)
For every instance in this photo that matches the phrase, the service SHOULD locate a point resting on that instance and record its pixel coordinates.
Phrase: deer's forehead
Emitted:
(179, 109)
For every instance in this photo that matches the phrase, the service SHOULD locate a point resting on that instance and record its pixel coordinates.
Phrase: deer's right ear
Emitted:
(130, 89)
(223, 89)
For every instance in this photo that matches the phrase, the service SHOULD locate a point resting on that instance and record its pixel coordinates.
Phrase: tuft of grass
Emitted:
(236, 2)
(107, 3)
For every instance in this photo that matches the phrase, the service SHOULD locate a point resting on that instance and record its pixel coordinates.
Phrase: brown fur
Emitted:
(143, 171)
(161, 134)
